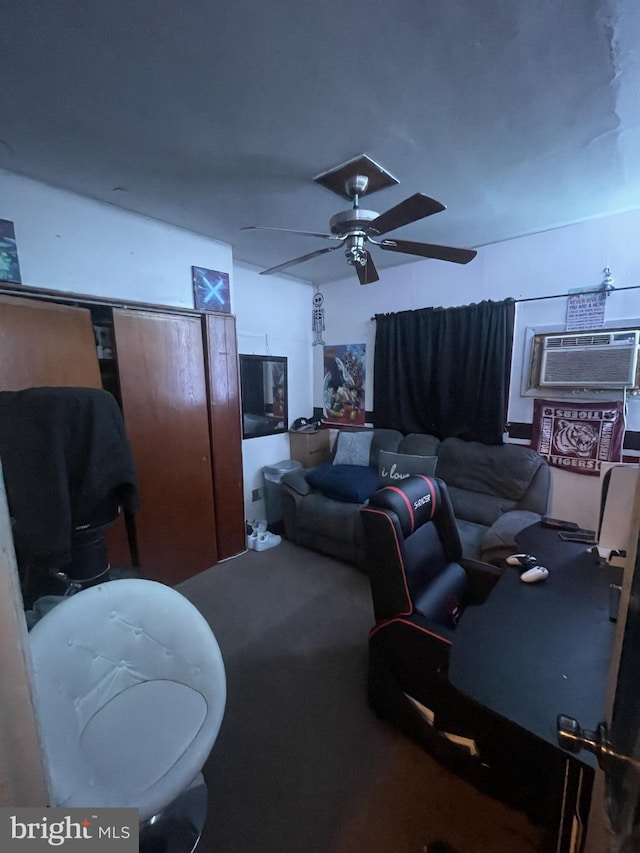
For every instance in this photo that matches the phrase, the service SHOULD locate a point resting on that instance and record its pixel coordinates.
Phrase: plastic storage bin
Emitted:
(272, 489)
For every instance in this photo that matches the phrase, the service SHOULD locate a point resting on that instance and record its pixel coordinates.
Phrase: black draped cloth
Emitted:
(444, 371)
(64, 452)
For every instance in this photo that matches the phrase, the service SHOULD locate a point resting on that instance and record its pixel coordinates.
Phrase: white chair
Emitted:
(130, 691)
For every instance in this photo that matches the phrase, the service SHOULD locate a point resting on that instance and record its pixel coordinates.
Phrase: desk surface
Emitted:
(533, 651)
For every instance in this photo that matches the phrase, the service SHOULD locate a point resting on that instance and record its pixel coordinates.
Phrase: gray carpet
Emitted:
(302, 764)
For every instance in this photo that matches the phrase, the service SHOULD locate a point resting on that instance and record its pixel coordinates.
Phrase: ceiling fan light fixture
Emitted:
(355, 252)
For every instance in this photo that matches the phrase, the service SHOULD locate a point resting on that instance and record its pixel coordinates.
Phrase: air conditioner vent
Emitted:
(590, 360)
(577, 341)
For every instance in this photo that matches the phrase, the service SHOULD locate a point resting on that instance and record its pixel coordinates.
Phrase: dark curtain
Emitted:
(444, 371)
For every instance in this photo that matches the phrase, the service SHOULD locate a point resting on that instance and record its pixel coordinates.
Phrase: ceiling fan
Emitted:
(356, 228)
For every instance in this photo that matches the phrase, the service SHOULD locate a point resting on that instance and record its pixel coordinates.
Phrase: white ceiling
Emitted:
(519, 116)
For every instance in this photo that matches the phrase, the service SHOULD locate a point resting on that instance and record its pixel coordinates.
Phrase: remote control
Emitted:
(559, 523)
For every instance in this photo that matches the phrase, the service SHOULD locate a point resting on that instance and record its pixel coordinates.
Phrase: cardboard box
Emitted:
(310, 448)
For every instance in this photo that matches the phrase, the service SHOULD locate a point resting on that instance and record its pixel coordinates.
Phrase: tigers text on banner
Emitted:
(578, 436)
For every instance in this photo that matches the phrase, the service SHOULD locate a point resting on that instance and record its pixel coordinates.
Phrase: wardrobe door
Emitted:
(42, 344)
(164, 401)
(226, 434)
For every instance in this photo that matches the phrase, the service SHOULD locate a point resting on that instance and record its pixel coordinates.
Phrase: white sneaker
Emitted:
(267, 540)
(252, 538)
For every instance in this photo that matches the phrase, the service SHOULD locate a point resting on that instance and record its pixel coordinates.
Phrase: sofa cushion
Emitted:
(479, 508)
(394, 467)
(350, 483)
(419, 444)
(353, 448)
(505, 471)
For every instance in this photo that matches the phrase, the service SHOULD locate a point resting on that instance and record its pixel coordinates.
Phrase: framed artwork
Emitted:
(211, 290)
(9, 266)
(343, 387)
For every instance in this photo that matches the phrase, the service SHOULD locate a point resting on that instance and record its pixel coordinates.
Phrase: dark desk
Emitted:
(533, 651)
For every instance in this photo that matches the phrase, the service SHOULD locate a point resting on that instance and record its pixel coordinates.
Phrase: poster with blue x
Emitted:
(211, 290)
(9, 266)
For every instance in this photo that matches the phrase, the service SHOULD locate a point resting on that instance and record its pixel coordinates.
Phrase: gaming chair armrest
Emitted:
(482, 579)
(415, 649)
(415, 627)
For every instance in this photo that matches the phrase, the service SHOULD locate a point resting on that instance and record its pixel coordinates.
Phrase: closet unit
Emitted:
(175, 374)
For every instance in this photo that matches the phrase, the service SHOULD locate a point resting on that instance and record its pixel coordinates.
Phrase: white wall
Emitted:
(546, 264)
(71, 243)
(274, 317)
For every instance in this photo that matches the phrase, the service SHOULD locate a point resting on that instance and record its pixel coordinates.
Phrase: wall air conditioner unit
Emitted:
(601, 359)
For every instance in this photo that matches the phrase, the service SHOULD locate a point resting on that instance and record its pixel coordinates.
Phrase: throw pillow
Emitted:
(350, 483)
(395, 467)
(353, 448)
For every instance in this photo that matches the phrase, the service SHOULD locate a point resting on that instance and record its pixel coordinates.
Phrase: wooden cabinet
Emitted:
(43, 343)
(175, 375)
(221, 356)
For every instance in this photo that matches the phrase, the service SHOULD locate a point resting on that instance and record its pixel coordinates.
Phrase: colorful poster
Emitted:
(578, 436)
(343, 388)
(9, 266)
(211, 290)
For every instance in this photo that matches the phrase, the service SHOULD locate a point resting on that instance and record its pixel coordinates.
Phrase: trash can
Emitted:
(273, 490)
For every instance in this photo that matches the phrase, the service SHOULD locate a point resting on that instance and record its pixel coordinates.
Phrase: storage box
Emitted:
(310, 448)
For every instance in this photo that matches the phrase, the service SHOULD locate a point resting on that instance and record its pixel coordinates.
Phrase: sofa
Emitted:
(495, 490)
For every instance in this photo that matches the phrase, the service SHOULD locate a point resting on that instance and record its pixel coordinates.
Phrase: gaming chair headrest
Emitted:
(415, 501)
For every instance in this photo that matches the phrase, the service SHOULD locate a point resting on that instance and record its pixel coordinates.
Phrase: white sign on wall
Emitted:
(585, 311)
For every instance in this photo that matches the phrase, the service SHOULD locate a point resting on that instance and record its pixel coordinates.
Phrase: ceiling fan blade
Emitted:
(308, 257)
(429, 250)
(290, 231)
(410, 210)
(367, 274)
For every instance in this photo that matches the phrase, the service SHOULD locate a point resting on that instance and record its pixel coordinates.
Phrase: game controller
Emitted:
(525, 561)
(534, 574)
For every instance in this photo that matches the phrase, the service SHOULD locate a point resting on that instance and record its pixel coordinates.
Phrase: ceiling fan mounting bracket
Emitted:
(356, 186)
(340, 179)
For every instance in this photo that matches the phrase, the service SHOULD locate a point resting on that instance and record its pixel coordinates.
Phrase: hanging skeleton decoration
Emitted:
(318, 318)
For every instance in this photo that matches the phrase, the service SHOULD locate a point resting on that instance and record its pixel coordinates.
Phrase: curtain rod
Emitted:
(561, 295)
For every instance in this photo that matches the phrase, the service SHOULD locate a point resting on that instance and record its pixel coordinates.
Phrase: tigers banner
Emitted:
(578, 436)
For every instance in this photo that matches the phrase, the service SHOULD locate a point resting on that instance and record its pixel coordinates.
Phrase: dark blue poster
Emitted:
(9, 266)
(211, 290)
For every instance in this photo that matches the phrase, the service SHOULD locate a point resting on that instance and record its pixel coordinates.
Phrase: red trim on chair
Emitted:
(429, 483)
(383, 513)
(408, 505)
(411, 625)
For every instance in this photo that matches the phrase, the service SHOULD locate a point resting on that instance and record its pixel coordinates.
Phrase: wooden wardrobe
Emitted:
(175, 374)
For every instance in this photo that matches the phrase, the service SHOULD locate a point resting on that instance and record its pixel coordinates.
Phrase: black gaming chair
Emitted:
(420, 586)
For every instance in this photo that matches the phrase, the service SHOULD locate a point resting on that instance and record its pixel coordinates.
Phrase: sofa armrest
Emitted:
(297, 481)
(536, 498)
(500, 539)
